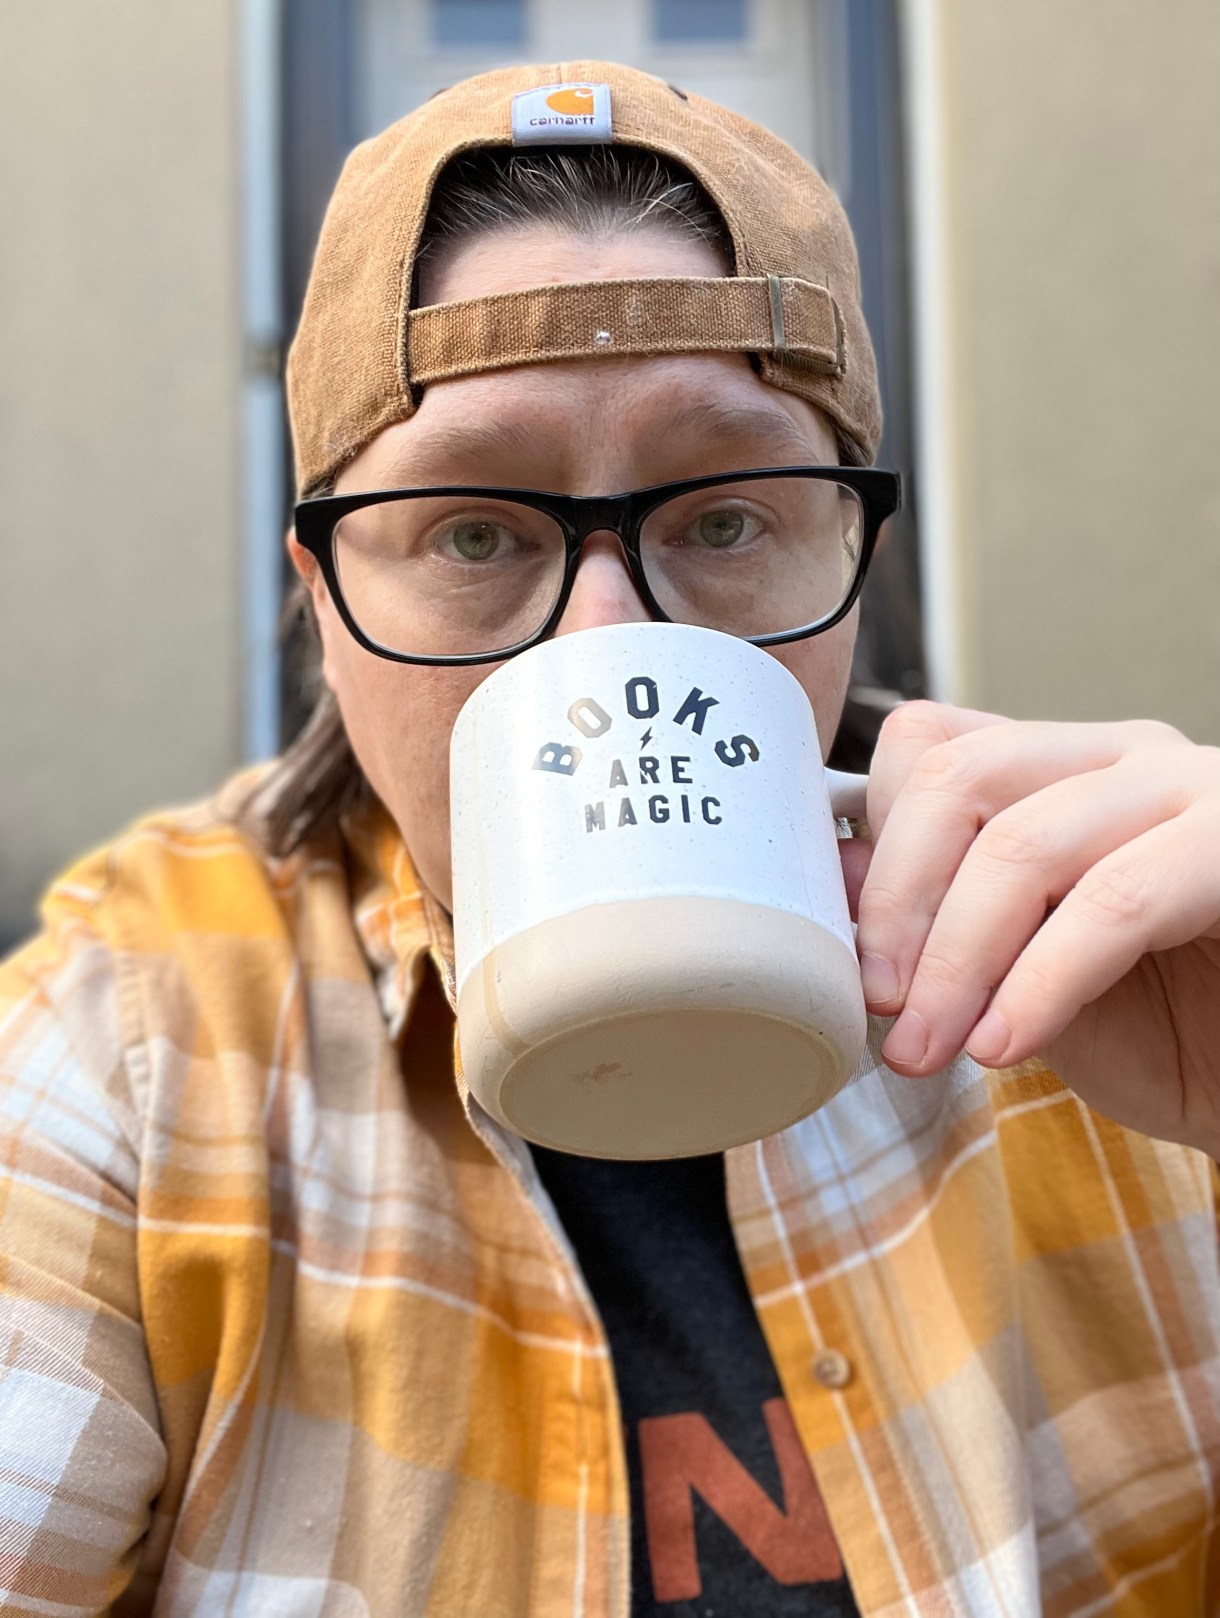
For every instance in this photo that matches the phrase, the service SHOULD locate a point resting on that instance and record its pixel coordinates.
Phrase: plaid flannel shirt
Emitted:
(288, 1326)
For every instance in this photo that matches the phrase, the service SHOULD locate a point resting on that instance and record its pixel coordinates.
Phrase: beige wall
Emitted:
(119, 398)
(1082, 150)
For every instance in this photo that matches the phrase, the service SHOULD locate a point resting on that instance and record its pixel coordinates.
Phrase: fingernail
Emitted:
(880, 980)
(990, 1039)
(908, 1040)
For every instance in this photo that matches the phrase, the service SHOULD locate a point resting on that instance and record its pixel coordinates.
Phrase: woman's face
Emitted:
(582, 427)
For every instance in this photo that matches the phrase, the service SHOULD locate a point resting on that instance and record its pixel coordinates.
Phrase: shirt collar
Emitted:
(400, 924)
(401, 927)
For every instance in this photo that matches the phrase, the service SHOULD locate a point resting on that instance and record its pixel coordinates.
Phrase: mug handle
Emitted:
(847, 795)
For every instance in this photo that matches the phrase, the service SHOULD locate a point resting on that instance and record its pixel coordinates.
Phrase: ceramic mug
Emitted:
(653, 949)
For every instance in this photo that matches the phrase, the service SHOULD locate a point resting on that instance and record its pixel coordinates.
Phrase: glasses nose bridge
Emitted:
(602, 514)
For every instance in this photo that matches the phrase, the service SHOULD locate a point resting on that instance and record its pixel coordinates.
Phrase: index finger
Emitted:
(908, 733)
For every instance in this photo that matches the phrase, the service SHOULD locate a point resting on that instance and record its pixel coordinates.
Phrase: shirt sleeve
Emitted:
(81, 1455)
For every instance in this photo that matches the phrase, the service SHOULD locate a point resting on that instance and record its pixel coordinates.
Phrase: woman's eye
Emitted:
(718, 530)
(476, 540)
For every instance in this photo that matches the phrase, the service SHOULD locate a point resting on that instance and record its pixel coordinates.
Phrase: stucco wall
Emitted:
(119, 396)
(1083, 157)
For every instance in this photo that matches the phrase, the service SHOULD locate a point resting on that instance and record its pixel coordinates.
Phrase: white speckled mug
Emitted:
(654, 954)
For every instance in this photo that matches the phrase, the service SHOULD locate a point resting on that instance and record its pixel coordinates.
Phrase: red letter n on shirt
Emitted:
(681, 1454)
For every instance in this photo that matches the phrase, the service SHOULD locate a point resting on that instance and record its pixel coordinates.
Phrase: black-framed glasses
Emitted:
(469, 574)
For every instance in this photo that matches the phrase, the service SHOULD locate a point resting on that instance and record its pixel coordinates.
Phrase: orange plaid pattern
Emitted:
(288, 1326)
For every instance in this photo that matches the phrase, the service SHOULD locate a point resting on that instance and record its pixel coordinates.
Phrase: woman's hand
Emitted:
(1052, 889)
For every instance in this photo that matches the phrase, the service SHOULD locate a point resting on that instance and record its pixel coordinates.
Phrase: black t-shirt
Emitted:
(726, 1519)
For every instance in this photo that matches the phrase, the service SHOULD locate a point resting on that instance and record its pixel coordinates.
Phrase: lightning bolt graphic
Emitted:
(646, 737)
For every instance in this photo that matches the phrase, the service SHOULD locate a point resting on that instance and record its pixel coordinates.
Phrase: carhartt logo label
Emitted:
(576, 100)
(556, 113)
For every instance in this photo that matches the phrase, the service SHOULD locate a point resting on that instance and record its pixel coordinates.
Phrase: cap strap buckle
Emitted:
(775, 292)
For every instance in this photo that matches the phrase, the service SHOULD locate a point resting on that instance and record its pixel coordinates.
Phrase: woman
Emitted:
(291, 1326)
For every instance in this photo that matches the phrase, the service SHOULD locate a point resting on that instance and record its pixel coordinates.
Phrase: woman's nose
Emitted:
(603, 591)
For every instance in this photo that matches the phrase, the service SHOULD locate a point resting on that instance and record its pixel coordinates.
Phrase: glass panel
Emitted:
(754, 558)
(449, 576)
(698, 21)
(478, 22)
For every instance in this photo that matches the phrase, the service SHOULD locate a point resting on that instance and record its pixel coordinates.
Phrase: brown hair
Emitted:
(592, 191)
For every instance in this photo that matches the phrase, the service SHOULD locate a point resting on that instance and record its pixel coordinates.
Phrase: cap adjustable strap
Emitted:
(771, 314)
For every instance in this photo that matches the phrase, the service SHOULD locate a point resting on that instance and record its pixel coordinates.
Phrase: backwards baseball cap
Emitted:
(362, 352)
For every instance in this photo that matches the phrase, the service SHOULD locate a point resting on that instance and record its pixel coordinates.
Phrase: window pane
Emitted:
(478, 22)
(696, 21)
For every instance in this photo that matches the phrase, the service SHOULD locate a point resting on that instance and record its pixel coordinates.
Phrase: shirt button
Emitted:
(832, 1369)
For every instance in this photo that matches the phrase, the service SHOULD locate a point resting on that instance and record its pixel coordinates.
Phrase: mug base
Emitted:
(736, 1021)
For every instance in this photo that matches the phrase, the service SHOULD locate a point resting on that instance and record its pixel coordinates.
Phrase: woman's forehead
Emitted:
(519, 257)
(596, 425)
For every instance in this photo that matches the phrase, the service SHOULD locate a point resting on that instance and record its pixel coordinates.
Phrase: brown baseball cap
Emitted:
(361, 352)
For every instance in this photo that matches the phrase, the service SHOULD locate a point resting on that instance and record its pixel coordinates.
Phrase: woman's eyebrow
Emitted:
(705, 418)
(469, 438)
(717, 418)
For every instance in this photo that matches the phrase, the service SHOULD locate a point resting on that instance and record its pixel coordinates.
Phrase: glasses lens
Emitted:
(760, 557)
(449, 575)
